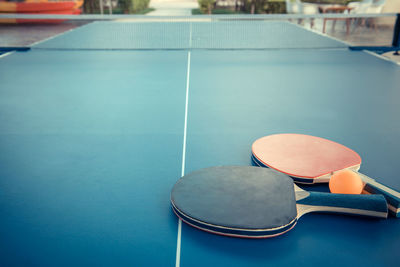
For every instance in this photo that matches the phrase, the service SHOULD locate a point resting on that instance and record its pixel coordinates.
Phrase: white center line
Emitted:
(178, 245)
(178, 242)
(186, 117)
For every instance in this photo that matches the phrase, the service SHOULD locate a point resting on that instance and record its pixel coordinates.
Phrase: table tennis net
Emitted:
(204, 32)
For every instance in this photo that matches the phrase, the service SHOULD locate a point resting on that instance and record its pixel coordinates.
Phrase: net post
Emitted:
(395, 42)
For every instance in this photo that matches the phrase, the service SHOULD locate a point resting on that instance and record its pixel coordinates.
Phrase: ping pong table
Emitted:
(98, 123)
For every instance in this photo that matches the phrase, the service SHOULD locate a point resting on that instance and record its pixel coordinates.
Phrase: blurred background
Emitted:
(358, 22)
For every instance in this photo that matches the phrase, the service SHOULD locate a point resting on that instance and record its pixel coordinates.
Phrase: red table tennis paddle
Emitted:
(309, 159)
(253, 202)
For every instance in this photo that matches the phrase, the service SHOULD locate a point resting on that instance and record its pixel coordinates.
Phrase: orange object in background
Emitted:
(36, 1)
(40, 7)
(346, 182)
(44, 21)
(25, 7)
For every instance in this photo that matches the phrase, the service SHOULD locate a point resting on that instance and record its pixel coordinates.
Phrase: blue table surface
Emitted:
(91, 143)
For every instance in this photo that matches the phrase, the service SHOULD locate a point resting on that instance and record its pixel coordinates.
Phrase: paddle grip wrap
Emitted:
(392, 200)
(365, 205)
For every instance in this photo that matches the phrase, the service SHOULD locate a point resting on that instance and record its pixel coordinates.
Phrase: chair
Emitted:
(367, 7)
(360, 7)
(376, 7)
(293, 6)
(298, 7)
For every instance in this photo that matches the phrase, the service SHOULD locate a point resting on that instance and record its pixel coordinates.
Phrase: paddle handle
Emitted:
(392, 196)
(364, 205)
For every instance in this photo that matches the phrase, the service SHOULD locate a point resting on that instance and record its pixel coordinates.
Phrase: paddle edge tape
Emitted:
(233, 232)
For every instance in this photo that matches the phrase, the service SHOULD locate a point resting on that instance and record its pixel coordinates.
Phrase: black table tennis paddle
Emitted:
(253, 202)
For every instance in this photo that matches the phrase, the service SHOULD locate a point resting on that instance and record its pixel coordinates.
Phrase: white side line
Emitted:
(6, 54)
(381, 57)
(178, 242)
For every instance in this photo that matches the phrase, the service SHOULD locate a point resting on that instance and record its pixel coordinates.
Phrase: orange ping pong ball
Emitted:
(346, 182)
